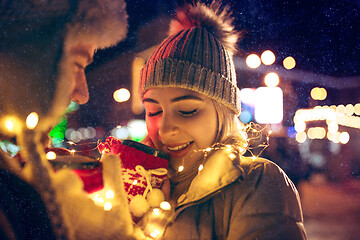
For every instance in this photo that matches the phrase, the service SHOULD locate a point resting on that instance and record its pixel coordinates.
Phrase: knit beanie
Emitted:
(197, 56)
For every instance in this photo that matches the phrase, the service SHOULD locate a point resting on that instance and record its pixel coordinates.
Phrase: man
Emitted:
(44, 49)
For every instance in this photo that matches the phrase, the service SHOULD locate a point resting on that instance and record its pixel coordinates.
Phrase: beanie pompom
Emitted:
(214, 18)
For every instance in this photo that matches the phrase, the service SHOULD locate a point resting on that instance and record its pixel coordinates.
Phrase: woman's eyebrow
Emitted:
(150, 100)
(186, 97)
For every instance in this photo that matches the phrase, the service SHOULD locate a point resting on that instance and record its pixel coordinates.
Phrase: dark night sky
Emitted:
(322, 35)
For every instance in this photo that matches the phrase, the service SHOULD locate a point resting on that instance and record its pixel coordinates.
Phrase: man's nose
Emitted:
(168, 126)
(80, 94)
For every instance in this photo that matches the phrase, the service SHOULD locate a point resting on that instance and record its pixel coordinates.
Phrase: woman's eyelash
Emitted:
(150, 114)
(188, 113)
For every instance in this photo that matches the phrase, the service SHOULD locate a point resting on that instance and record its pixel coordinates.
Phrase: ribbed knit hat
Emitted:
(197, 56)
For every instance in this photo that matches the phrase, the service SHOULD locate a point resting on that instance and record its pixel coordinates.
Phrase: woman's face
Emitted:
(180, 122)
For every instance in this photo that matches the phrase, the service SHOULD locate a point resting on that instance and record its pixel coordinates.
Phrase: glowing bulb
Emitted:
(107, 206)
(156, 211)
(232, 156)
(289, 63)
(272, 79)
(181, 168)
(253, 157)
(118, 126)
(165, 205)
(208, 149)
(349, 109)
(357, 109)
(109, 194)
(50, 155)
(253, 61)
(300, 126)
(300, 137)
(32, 120)
(121, 95)
(71, 142)
(98, 199)
(134, 182)
(268, 57)
(155, 233)
(72, 151)
(9, 125)
(201, 167)
(344, 137)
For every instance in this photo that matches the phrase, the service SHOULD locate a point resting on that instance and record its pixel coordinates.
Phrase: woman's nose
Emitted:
(80, 94)
(168, 126)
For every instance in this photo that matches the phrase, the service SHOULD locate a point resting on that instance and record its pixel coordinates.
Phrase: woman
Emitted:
(189, 91)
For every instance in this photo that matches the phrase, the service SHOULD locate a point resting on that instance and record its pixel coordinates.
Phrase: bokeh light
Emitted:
(300, 137)
(268, 57)
(272, 79)
(32, 120)
(349, 109)
(318, 93)
(344, 137)
(122, 95)
(289, 63)
(253, 61)
(357, 109)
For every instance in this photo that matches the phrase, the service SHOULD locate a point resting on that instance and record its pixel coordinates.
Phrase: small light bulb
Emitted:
(107, 206)
(134, 182)
(32, 120)
(50, 155)
(165, 205)
(156, 211)
(181, 168)
(9, 125)
(201, 167)
(109, 194)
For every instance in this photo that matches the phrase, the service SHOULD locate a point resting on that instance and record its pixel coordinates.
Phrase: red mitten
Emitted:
(133, 154)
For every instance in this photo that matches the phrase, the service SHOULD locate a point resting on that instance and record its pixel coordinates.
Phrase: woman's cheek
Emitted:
(152, 128)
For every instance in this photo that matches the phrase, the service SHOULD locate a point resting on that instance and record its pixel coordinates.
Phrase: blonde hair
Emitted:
(230, 129)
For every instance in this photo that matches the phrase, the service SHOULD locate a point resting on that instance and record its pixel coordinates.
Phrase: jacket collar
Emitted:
(221, 169)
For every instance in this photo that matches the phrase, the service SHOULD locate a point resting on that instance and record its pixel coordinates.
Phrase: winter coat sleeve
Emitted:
(265, 205)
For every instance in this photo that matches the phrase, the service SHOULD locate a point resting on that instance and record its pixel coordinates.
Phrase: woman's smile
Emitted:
(178, 150)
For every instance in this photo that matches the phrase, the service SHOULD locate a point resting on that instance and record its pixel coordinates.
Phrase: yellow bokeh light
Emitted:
(349, 109)
(268, 57)
(323, 94)
(201, 167)
(121, 95)
(32, 120)
(50, 155)
(165, 205)
(318, 93)
(289, 63)
(109, 194)
(272, 79)
(301, 137)
(344, 137)
(156, 211)
(333, 127)
(357, 109)
(181, 168)
(9, 124)
(253, 61)
(300, 126)
(340, 109)
(107, 206)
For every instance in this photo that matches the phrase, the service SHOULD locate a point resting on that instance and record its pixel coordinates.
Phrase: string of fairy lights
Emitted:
(253, 136)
